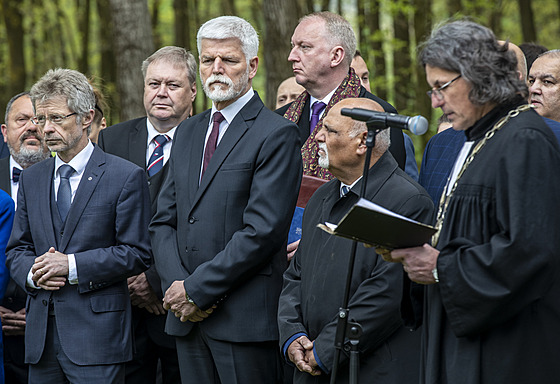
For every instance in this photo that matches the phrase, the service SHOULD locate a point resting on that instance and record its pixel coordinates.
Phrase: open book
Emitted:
(368, 222)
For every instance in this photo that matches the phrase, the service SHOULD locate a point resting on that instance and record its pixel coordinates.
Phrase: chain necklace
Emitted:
(445, 198)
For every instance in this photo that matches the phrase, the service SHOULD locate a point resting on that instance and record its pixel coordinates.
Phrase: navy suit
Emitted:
(129, 140)
(437, 163)
(227, 237)
(106, 231)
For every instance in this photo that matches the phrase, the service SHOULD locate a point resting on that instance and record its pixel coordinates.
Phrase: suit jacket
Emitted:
(397, 140)
(314, 283)
(128, 140)
(15, 297)
(226, 238)
(106, 231)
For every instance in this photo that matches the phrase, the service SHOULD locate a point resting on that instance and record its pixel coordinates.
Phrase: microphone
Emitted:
(417, 124)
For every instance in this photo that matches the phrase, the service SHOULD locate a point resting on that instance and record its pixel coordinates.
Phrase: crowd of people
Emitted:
(155, 250)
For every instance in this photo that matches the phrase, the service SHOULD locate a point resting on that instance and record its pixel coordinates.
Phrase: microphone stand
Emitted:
(347, 330)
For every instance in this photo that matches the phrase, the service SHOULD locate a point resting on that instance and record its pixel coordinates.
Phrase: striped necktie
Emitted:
(155, 163)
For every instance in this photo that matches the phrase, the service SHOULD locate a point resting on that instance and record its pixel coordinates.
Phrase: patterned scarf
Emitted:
(350, 87)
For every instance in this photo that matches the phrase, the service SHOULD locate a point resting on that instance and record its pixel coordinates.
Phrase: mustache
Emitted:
(219, 78)
(30, 134)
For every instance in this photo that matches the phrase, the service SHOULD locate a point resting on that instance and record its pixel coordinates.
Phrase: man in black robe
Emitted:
(314, 282)
(492, 301)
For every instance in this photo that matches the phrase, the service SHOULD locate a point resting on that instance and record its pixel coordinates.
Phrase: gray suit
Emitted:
(106, 231)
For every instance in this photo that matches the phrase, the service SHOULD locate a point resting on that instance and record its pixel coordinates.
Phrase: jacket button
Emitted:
(192, 220)
(45, 303)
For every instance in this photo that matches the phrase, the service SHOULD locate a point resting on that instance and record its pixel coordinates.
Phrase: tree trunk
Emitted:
(401, 57)
(379, 83)
(454, 6)
(325, 5)
(362, 39)
(13, 19)
(84, 19)
(182, 24)
(495, 19)
(154, 20)
(422, 105)
(527, 21)
(108, 62)
(228, 7)
(133, 44)
(281, 17)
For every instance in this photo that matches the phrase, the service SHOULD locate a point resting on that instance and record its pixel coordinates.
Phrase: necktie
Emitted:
(15, 174)
(155, 163)
(64, 196)
(344, 190)
(212, 140)
(316, 110)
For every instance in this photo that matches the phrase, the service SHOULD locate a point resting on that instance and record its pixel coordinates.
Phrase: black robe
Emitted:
(315, 281)
(494, 317)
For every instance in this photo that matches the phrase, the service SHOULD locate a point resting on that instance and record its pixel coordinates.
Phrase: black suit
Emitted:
(129, 140)
(397, 141)
(227, 237)
(314, 282)
(15, 369)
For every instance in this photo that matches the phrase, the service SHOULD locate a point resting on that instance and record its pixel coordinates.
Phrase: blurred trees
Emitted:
(109, 39)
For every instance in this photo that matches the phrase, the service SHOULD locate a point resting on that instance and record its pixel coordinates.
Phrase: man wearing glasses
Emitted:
(79, 232)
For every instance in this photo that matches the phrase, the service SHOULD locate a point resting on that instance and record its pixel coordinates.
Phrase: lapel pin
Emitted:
(90, 178)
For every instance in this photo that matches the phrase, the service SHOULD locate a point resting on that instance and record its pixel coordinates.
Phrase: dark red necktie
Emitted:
(212, 140)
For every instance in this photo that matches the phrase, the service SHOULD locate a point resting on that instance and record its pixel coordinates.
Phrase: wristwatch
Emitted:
(189, 299)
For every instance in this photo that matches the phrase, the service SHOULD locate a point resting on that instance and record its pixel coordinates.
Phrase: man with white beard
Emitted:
(223, 213)
(313, 283)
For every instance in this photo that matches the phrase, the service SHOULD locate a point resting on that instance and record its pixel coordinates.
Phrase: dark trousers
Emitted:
(55, 367)
(15, 370)
(206, 360)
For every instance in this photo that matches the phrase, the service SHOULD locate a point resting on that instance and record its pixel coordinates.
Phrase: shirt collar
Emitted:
(153, 132)
(325, 99)
(78, 162)
(349, 186)
(233, 109)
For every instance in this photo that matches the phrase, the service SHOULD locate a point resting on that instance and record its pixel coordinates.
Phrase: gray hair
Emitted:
(472, 50)
(10, 103)
(176, 56)
(554, 53)
(230, 27)
(382, 139)
(66, 83)
(338, 32)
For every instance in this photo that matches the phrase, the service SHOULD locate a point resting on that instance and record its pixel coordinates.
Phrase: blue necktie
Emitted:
(64, 196)
(316, 110)
(155, 163)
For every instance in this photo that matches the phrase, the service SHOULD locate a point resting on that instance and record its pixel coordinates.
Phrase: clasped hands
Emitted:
(300, 352)
(50, 270)
(175, 300)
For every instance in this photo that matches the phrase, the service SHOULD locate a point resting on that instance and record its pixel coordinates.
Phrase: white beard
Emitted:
(323, 159)
(217, 94)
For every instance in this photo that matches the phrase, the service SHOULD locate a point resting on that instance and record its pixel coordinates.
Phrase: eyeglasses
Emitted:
(54, 119)
(437, 91)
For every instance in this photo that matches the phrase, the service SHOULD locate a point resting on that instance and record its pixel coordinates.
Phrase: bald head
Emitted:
(342, 141)
(288, 91)
(521, 61)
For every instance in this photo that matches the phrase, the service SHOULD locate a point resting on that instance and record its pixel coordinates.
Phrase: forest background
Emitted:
(108, 39)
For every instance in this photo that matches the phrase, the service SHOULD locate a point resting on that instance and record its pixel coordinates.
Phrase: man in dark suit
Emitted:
(27, 147)
(323, 48)
(169, 91)
(222, 218)
(314, 282)
(79, 232)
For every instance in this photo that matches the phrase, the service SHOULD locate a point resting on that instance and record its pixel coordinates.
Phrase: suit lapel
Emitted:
(137, 143)
(197, 148)
(45, 187)
(240, 124)
(5, 182)
(92, 174)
